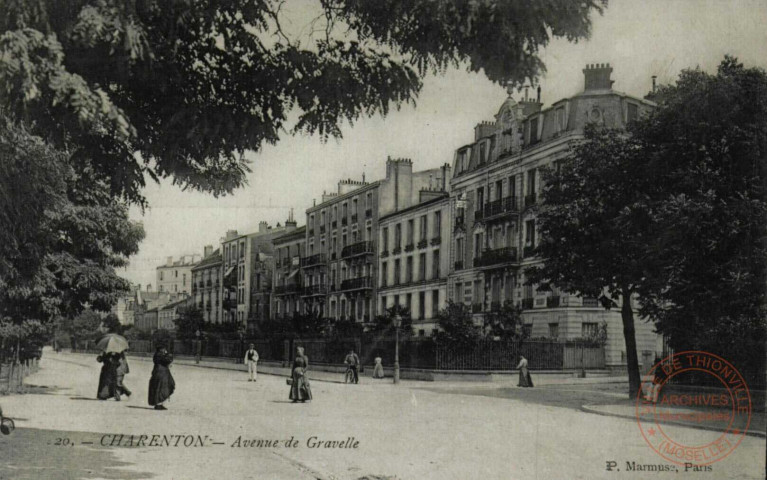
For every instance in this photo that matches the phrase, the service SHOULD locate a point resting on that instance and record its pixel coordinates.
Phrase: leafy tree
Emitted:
(182, 88)
(594, 222)
(706, 146)
(63, 235)
(112, 324)
(190, 319)
(504, 323)
(383, 324)
(457, 327)
(84, 327)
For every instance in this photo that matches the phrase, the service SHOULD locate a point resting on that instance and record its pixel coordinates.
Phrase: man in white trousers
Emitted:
(251, 360)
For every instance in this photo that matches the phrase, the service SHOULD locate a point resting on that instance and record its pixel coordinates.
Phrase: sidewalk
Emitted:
(627, 409)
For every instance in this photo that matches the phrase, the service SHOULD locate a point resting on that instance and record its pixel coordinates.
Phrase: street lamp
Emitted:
(241, 333)
(396, 322)
(197, 347)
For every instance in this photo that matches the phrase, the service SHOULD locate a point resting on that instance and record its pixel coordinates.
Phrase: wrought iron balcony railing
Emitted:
(357, 283)
(496, 256)
(314, 260)
(312, 290)
(359, 248)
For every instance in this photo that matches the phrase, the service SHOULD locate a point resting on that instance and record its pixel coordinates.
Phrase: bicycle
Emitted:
(349, 375)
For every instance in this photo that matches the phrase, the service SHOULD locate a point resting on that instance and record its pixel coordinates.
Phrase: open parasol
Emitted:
(111, 342)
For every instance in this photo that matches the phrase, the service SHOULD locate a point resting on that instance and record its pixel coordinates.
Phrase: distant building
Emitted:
(248, 271)
(206, 284)
(414, 264)
(341, 263)
(125, 306)
(146, 305)
(496, 188)
(176, 275)
(289, 249)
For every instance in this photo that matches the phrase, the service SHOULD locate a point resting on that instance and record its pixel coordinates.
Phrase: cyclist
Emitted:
(352, 362)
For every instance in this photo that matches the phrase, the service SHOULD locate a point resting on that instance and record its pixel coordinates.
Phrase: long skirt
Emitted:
(107, 383)
(300, 389)
(378, 371)
(525, 380)
(161, 385)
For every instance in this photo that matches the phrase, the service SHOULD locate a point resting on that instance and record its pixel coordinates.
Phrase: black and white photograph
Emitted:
(383, 239)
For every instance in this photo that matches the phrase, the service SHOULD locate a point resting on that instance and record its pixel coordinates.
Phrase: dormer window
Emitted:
(561, 119)
(482, 152)
(532, 131)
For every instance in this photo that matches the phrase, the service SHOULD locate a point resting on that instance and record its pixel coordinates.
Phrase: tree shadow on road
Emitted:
(32, 453)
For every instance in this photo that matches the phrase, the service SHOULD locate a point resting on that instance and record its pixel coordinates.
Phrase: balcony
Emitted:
(476, 308)
(529, 251)
(357, 283)
(458, 265)
(423, 244)
(501, 208)
(496, 256)
(590, 302)
(552, 302)
(368, 213)
(314, 260)
(530, 200)
(409, 247)
(528, 303)
(286, 289)
(396, 250)
(355, 249)
(436, 240)
(384, 254)
(313, 290)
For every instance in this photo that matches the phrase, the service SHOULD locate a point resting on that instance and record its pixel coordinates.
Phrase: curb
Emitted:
(591, 409)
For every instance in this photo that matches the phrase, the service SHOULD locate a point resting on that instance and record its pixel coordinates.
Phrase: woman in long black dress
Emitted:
(525, 380)
(161, 385)
(108, 377)
(299, 388)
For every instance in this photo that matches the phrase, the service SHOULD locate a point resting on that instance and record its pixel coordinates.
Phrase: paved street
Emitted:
(412, 431)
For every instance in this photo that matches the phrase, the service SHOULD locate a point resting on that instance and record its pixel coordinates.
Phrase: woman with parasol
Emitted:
(112, 346)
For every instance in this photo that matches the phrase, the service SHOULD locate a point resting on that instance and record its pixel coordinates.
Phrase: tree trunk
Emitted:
(629, 335)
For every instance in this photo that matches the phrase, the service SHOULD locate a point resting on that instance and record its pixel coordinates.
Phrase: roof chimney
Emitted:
(262, 226)
(653, 83)
(597, 76)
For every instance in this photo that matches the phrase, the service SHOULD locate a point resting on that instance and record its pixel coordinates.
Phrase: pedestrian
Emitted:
(378, 368)
(122, 370)
(353, 361)
(299, 387)
(161, 385)
(251, 360)
(525, 380)
(108, 377)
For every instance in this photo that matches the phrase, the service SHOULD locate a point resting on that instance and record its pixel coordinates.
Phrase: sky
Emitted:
(638, 38)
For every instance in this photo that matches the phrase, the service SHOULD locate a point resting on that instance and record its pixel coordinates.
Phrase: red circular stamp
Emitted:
(667, 398)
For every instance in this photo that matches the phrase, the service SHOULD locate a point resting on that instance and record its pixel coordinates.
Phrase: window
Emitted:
(161, 272)
(369, 200)
(344, 210)
(183, 279)
(176, 273)
(409, 303)
(421, 267)
(424, 227)
(437, 224)
(477, 245)
(410, 233)
(383, 304)
(561, 124)
(397, 277)
(632, 112)
(409, 270)
(434, 303)
(480, 197)
(398, 235)
(499, 189)
(459, 249)
(385, 239)
(434, 265)
(482, 148)
(589, 329)
(478, 295)
(384, 272)
(354, 206)
(396, 300)
(512, 190)
(458, 292)
(553, 330)
(533, 130)
(530, 233)
(422, 305)
(531, 182)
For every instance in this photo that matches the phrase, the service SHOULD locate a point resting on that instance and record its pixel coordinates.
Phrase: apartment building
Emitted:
(206, 284)
(496, 189)
(176, 275)
(289, 249)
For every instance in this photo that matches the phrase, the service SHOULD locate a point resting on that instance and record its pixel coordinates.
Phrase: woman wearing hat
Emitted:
(300, 391)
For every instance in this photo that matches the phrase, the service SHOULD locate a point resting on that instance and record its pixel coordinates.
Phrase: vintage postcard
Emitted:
(378, 240)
